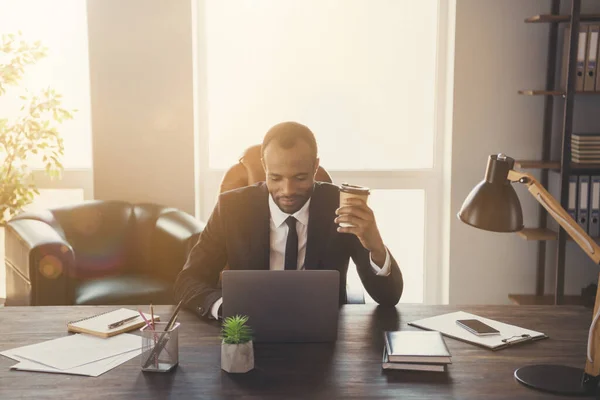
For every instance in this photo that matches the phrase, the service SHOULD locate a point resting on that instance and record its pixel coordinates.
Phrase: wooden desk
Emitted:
(349, 368)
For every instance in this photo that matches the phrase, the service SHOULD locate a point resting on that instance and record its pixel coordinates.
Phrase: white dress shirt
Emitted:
(278, 236)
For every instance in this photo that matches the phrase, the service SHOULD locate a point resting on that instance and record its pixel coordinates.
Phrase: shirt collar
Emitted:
(278, 217)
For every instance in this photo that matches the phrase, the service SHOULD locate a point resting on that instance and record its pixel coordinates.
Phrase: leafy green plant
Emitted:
(235, 330)
(33, 132)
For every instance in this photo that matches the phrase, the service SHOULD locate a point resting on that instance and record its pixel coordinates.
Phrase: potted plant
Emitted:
(237, 351)
(32, 132)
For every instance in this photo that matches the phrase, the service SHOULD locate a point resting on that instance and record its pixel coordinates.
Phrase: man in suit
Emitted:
(288, 222)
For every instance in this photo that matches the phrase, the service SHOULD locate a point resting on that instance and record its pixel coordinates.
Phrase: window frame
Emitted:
(431, 180)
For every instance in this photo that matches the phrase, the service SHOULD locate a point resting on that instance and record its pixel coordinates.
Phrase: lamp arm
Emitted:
(589, 245)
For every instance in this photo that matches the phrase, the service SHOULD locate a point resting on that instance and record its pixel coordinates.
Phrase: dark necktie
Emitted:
(291, 245)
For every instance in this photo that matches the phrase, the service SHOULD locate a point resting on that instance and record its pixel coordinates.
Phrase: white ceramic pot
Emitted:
(237, 358)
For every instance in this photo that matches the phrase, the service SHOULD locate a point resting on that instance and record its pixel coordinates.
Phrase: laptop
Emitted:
(284, 306)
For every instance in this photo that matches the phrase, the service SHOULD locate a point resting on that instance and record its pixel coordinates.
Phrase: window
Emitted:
(61, 26)
(359, 73)
(363, 76)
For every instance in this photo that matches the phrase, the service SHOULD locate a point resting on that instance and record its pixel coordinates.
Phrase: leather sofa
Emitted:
(98, 252)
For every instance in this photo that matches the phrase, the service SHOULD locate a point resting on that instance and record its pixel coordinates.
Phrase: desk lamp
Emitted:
(493, 205)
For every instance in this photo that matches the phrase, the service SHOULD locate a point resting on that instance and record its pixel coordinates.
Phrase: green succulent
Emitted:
(235, 330)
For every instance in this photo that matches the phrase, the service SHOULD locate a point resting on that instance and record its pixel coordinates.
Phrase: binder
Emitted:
(598, 62)
(572, 202)
(581, 52)
(580, 56)
(554, 186)
(589, 80)
(582, 209)
(594, 218)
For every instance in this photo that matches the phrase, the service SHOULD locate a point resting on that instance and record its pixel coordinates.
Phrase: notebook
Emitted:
(509, 334)
(386, 364)
(416, 347)
(98, 324)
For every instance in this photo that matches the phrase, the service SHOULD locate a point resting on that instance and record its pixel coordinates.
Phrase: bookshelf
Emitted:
(537, 234)
(553, 93)
(545, 234)
(541, 233)
(537, 164)
(562, 18)
(555, 165)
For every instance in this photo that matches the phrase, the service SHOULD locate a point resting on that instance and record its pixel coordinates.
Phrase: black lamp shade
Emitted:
(493, 205)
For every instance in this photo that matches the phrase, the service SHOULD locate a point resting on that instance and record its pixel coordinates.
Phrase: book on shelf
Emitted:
(585, 148)
(585, 136)
(416, 347)
(586, 154)
(579, 160)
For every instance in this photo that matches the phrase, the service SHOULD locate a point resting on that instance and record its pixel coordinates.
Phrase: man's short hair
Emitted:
(287, 134)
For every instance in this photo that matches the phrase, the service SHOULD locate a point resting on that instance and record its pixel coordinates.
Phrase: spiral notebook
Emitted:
(98, 324)
(509, 334)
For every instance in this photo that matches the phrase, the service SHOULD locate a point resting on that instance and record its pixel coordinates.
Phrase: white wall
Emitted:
(142, 107)
(496, 55)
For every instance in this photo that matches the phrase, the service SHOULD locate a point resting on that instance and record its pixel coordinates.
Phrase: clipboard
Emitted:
(509, 334)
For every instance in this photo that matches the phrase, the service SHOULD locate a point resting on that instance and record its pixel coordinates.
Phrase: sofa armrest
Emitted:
(175, 233)
(38, 264)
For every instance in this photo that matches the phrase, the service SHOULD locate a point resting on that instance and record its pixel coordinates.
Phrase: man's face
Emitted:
(290, 174)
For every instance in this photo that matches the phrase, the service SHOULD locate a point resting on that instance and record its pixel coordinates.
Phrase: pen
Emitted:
(121, 322)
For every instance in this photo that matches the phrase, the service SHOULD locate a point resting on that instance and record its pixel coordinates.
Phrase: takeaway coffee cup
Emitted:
(348, 191)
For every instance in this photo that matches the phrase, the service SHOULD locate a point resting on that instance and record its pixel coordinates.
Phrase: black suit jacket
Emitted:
(237, 234)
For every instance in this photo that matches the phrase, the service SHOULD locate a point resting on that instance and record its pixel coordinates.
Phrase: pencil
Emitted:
(152, 314)
(162, 341)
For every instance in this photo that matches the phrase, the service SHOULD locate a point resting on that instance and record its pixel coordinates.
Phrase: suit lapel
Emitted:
(260, 231)
(319, 224)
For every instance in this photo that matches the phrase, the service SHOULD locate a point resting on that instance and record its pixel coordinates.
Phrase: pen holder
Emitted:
(160, 348)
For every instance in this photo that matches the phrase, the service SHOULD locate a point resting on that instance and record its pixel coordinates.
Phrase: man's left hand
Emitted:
(356, 212)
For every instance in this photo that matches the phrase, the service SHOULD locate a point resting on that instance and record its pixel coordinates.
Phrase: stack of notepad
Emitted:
(585, 148)
(415, 350)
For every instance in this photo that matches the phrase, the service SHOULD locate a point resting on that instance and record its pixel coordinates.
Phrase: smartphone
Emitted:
(477, 327)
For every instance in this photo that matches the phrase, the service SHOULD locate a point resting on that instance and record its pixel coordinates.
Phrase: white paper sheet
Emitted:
(75, 350)
(96, 368)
